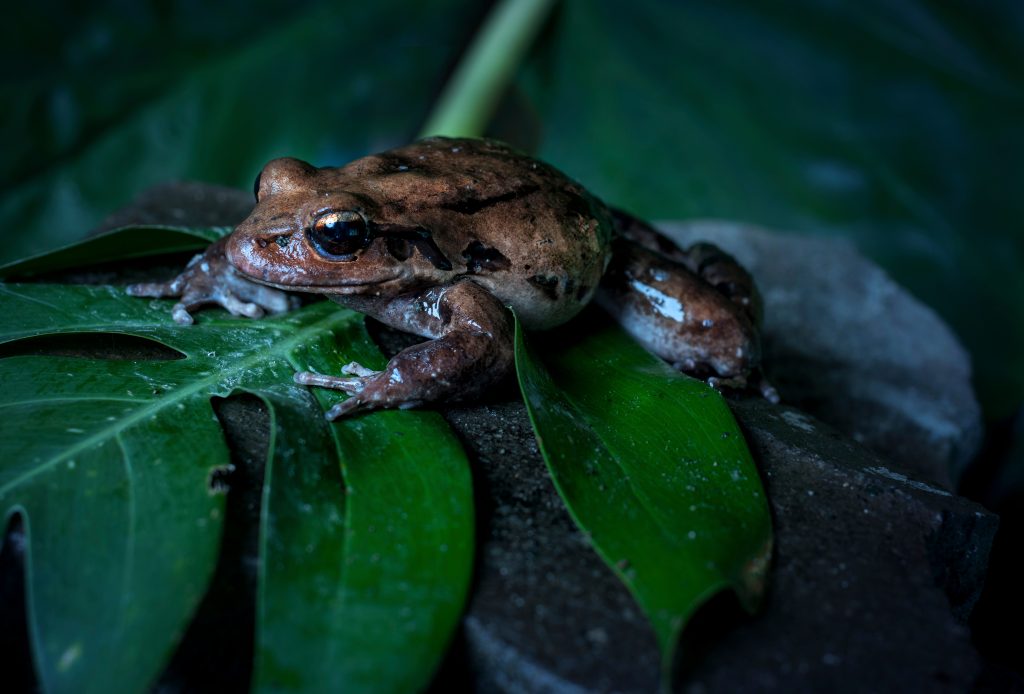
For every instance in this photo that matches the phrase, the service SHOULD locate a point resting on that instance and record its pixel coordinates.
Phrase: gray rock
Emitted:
(545, 614)
(873, 576)
(184, 203)
(845, 343)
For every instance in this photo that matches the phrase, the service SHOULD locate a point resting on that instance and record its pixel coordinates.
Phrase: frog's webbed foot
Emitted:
(472, 350)
(209, 279)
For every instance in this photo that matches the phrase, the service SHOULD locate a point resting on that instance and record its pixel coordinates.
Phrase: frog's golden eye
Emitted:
(338, 235)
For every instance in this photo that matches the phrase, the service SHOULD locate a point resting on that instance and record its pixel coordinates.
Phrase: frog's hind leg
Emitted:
(711, 263)
(677, 314)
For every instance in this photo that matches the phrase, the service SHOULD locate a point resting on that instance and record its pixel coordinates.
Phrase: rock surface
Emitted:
(874, 571)
(183, 203)
(873, 576)
(845, 343)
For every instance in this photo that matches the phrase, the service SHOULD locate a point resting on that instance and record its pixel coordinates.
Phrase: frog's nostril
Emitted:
(262, 243)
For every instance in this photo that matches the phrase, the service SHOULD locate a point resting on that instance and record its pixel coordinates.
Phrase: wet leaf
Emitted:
(652, 467)
(110, 463)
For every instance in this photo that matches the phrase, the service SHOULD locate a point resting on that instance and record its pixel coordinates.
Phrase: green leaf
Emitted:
(896, 125)
(122, 243)
(652, 467)
(381, 619)
(203, 92)
(110, 461)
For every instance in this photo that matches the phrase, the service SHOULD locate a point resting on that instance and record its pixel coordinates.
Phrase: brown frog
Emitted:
(437, 238)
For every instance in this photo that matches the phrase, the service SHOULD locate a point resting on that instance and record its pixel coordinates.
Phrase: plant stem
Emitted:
(469, 99)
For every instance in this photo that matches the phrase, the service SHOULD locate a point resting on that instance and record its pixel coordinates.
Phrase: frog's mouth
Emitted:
(298, 281)
(346, 288)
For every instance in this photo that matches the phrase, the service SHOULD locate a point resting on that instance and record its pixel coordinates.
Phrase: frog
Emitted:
(441, 238)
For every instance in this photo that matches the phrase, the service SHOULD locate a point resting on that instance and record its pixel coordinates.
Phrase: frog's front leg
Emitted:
(209, 279)
(471, 350)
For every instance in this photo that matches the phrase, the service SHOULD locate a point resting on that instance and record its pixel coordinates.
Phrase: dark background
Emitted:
(895, 124)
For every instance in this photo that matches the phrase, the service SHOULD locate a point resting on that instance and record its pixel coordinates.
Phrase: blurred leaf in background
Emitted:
(895, 124)
(101, 101)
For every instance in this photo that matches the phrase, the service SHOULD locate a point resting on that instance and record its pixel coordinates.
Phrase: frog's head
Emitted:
(311, 232)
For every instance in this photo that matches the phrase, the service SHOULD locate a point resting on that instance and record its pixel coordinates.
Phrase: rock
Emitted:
(545, 614)
(183, 203)
(845, 343)
(873, 576)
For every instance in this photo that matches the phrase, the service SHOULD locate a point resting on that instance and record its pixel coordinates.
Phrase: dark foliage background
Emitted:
(894, 124)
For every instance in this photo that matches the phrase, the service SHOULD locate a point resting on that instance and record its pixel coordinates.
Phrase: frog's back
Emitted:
(531, 235)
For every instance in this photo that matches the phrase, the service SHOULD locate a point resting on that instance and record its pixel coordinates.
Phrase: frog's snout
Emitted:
(246, 254)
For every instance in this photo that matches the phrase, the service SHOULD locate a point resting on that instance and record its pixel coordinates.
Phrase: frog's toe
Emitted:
(156, 290)
(354, 368)
(346, 407)
(237, 307)
(196, 299)
(181, 315)
(348, 385)
(267, 298)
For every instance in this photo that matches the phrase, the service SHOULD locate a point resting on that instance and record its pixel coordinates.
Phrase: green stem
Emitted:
(471, 95)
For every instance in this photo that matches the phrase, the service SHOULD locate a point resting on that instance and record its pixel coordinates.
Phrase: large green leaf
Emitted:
(131, 97)
(895, 124)
(110, 463)
(652, 467)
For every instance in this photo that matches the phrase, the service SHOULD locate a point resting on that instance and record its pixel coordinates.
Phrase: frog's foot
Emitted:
(767, 390)
(368, 389)
(470, 352)
(209, 279)
(349, 385)
(357, 374)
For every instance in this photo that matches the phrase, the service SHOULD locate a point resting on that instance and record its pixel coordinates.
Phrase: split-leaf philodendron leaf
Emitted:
(109, 463)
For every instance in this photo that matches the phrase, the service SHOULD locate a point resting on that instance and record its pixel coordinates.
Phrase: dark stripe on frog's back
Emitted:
(497, 173)
(470, 203)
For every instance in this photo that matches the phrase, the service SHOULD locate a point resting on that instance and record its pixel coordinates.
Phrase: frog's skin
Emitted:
(437, 238)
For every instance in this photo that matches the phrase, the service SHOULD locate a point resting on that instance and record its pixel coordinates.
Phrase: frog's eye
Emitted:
(256, 186)
(338, 235)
